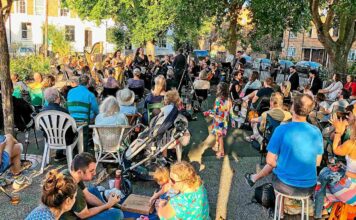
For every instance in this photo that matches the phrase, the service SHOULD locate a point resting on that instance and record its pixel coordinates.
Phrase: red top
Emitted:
(351, 86)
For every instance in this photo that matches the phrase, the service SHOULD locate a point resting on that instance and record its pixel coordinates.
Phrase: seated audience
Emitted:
(252, 84)
(276, 112)
(161, 176)
(35, 89)
(126, 99)
(350, 85)
(156, 95)
(20, 88)
(110, 81)
(10, 158)
(89, 203)
(191, 202)
(236, 85)
(333, 89)
(73, 82)
(307, 91)
(171, 81)
(58, 196)
(202, 82)
(53, 99)
(341, 102)
(136, 82)
(337, 182)
(267, 90)
(293, 174)
(110, 113)
(285, 89)
(81, 93)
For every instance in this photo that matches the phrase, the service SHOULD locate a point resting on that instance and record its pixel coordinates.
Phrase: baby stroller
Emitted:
(167, 132)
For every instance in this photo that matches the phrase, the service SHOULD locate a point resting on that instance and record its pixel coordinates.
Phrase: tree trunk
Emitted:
(338, 61)
(232, 42)
(6, 84)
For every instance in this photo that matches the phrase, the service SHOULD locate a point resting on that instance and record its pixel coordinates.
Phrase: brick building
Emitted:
(306, 46)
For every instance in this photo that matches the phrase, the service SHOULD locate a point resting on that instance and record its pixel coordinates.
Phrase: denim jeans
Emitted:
(327, 177)
(112, 214)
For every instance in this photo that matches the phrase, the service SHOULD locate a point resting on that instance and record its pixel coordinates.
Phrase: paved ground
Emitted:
(229, 196)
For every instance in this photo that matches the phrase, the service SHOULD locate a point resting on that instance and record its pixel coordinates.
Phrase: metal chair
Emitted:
(279, 201)
(55, 124)
(108, 142)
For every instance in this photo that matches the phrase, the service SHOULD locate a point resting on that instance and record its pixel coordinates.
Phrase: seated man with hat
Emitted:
(126, 98)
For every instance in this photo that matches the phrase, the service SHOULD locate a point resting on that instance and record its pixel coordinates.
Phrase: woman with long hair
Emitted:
(118, 63)
(141, 59)
(58, 196)
(192, 200)
(337, 182)
(334, 88)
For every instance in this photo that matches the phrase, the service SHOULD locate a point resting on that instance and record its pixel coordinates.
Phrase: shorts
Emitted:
(5, 162)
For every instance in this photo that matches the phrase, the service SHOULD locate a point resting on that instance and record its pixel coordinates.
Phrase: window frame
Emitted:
(36, 5)
(67, 34)
(18, 6)
(28, 31)
(291, 54)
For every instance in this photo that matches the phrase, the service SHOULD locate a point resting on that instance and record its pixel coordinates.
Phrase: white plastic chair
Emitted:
(108, 142)
(55, 124)
(278, 207)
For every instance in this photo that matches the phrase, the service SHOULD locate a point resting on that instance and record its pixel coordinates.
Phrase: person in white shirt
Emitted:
(334, 88)
(202, 82)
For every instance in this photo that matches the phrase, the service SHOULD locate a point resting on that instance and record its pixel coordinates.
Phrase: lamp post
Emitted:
(46, 31)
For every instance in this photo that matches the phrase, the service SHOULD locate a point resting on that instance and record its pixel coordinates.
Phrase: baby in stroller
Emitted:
(168, 131)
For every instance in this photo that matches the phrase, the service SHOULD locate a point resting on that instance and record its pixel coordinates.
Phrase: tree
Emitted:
(278, 15)
(116, 35)
(58, 41)
(340, 14)
(6, 84)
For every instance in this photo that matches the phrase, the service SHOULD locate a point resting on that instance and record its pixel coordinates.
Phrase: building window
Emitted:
(292, 35)
(21, 6)
(26, 31)
(39, 7)
(291, 52)
(70, 33)
(64, 12)
(88, 38)
(352, 55)
(310, 32)
(162, 42)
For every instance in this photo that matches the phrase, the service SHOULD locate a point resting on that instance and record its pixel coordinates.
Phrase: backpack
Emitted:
(264, 195)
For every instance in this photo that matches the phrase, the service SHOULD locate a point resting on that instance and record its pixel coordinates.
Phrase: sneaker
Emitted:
(21, 181)
(248, 179)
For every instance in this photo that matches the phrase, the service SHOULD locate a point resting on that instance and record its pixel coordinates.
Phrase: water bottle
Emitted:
(117, 183)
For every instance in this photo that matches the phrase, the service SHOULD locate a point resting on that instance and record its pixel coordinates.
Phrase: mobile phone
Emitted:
(2, 138)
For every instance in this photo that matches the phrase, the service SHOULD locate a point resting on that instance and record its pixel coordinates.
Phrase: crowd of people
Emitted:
(309, 116)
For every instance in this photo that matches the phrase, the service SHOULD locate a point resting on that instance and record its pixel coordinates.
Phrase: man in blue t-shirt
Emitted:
(294, 152)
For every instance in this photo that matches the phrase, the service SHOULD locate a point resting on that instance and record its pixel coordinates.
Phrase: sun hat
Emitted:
(125, 97)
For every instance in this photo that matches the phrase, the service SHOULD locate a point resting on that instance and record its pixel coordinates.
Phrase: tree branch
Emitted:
(5, 11)
(323, 33)
(330, 15)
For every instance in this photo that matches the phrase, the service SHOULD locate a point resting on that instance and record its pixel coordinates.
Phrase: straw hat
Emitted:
(125, 97)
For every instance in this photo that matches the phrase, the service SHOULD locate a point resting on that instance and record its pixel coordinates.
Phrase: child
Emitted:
(220, 115)
(161, 176)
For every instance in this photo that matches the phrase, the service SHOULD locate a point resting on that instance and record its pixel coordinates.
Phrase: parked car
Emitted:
(25, 51)
(306, 66)
(200, 54)
(262, 64)
(285, 65)
(249, 62)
